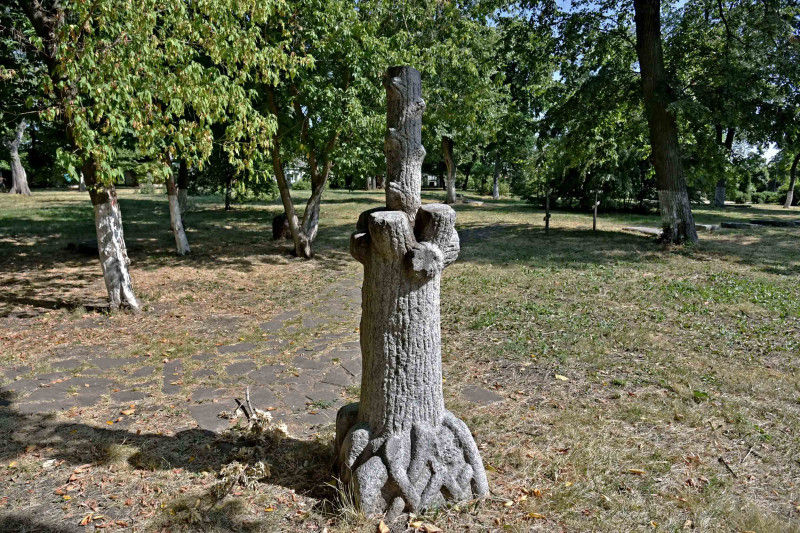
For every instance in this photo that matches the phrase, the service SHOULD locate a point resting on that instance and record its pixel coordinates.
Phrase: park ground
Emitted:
(612, 384)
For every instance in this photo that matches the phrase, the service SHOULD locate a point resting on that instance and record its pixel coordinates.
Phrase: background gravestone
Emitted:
(399, 447)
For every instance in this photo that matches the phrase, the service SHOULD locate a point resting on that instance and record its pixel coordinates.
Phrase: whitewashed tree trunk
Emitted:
(19, 178)
(113, 253)
(450, 176)
(175, 219)
(399, 447)
(111, 242)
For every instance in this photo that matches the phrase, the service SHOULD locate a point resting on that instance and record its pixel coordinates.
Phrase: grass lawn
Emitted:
(639, 388)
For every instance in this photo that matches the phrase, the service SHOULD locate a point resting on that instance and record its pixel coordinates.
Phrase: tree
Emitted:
(320, 104)
(676, 212)
(19, 179)
(113, 72)
(725, 58)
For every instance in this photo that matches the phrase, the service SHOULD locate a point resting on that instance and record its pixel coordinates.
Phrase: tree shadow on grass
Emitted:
(770, 250)
(26, 524)
(300, 465)
(568, 248)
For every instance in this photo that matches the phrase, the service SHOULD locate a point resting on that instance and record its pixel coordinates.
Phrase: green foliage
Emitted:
(154, 77)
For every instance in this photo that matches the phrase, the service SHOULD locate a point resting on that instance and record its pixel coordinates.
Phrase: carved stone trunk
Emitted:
(399, 447)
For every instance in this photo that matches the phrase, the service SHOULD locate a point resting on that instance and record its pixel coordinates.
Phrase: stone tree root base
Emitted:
(422, 468)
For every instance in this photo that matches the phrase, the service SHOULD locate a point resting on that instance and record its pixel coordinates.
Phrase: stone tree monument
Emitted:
(399, 448)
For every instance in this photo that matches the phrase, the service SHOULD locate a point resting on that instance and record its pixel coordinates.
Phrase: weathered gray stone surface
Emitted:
(645, 230)
(398, 446)
(737, 225)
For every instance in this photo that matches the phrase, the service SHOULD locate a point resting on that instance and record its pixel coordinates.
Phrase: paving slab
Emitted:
(324, 392)
(204, 374)
(112, 363)
(240, 368)
(338, 376)
(647, 230)
(239, 347)
(17, 371)
(173, 371)
(266, 374)
(47, 394)
(127, 396)
(295, 400)
(479, 395)
(144, 372)
(309, 363)
(203, 394)
(206, 416)
(68, 364)
(263, 397)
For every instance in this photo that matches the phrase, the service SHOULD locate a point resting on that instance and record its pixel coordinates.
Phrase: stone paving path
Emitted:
(302, 369)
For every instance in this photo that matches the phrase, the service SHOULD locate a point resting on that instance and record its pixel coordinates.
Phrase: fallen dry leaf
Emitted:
(382, 527)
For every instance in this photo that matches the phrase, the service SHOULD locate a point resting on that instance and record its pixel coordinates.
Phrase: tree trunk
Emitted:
(110, 241)
(183, 186)
(301, 245)
(792, 181)
(720, 190)
(496, 179)
(467, 172)
(450, 172)
(228, 192)
(547, 211)
(673, 199)
(19, 179)
(399, 447)
(81, 183)
(310, 224)
(175, 219)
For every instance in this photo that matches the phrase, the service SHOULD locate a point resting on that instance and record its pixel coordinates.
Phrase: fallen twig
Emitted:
(727, 466)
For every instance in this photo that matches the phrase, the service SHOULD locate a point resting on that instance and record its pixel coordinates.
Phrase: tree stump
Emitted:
(399, 448)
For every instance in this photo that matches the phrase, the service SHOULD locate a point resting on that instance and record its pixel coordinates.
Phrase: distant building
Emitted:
(430, 181)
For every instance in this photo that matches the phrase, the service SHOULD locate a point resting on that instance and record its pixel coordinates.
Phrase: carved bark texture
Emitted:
(403, 144)
(399, 447)
(450, 172)
(673, 198)
(19, 178)
(175, 219)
